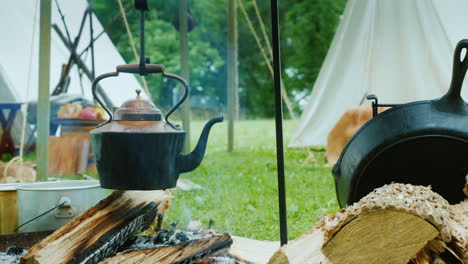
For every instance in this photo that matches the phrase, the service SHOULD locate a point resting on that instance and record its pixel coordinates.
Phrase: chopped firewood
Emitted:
(396, 223)
(252, 251)
(98, 232)
(180, 253)
(304, 250)
(459, 227)
(382, 236)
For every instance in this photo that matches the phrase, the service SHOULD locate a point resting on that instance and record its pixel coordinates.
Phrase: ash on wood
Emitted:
(176, 254)
(395, 224)
(101, 230)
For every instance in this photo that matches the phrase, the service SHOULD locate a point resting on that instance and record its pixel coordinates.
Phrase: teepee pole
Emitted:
(43, 105)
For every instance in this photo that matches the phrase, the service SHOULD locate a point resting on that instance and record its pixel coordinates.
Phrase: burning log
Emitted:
(101, 230)
(396, 223)
(180, 253)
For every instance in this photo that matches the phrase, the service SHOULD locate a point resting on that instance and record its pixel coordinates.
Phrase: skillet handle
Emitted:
(459, 70)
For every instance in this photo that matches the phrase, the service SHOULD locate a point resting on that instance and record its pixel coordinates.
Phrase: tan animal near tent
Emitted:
(345, 128)
(12, 173)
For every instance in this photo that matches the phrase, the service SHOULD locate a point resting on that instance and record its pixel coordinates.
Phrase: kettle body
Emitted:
(137, 161)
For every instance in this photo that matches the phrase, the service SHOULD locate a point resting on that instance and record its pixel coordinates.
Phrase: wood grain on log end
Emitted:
(419, 201)
(381, 236)
(304, 250)
(279, 257)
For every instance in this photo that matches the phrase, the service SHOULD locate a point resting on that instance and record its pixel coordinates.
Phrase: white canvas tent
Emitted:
(19, 53)
(400, 50)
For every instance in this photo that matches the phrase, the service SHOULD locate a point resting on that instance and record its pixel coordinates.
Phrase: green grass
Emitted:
(240, 188)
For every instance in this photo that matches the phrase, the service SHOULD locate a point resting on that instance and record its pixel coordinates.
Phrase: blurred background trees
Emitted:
(307, 28)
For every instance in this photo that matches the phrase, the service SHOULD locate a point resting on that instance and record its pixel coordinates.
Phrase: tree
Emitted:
(307, 28)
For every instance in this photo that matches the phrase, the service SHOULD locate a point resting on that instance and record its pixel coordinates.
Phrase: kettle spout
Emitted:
(192, 160)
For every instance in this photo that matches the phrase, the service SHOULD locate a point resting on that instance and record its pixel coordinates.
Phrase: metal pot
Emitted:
(69, 198)
(422, 143)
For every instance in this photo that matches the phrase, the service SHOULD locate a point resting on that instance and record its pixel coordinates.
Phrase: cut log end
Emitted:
(376, 237)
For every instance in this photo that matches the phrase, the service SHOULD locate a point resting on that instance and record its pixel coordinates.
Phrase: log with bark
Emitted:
(101, 230)
(397, 224)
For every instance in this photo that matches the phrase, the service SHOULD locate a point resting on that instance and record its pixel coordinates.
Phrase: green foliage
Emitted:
(307, 28)
(240, 188)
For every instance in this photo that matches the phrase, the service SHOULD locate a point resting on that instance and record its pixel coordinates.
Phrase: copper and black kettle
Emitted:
(137, 148)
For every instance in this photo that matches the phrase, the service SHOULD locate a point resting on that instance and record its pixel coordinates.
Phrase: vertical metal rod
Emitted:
(142, 43)
(184, 68)
(43, 105)
(279, 122)
(232, 71)
(91, 44)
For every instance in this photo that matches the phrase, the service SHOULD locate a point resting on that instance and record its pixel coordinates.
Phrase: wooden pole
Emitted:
(43, 105)
(184, 68)
(233, 80)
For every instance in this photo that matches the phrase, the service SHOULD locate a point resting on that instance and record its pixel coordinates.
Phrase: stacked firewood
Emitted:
(105, 234)
(395, 224)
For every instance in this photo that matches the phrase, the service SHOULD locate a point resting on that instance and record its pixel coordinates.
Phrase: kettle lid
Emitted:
(138, 109)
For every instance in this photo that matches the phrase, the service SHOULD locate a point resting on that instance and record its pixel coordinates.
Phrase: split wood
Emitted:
(99, 231)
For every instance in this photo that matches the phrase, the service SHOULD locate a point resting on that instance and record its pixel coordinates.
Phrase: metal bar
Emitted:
(91, 44)
(43, 105)
(83, 67)
(60, 89)
(279, 123)
(232, 71)
(107, 26)
(184, 68)
(142, 43)
(63, 20)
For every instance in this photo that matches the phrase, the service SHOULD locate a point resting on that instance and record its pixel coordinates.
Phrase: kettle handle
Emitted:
(132, 68)
(93, 89)
(184, 97)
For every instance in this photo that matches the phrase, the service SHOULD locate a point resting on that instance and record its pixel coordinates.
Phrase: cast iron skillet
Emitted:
(423, 143)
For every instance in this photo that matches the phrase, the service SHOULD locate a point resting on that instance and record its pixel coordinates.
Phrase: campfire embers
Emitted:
(175, 247)
(106, 233)
(11, 256)
(165, 238)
